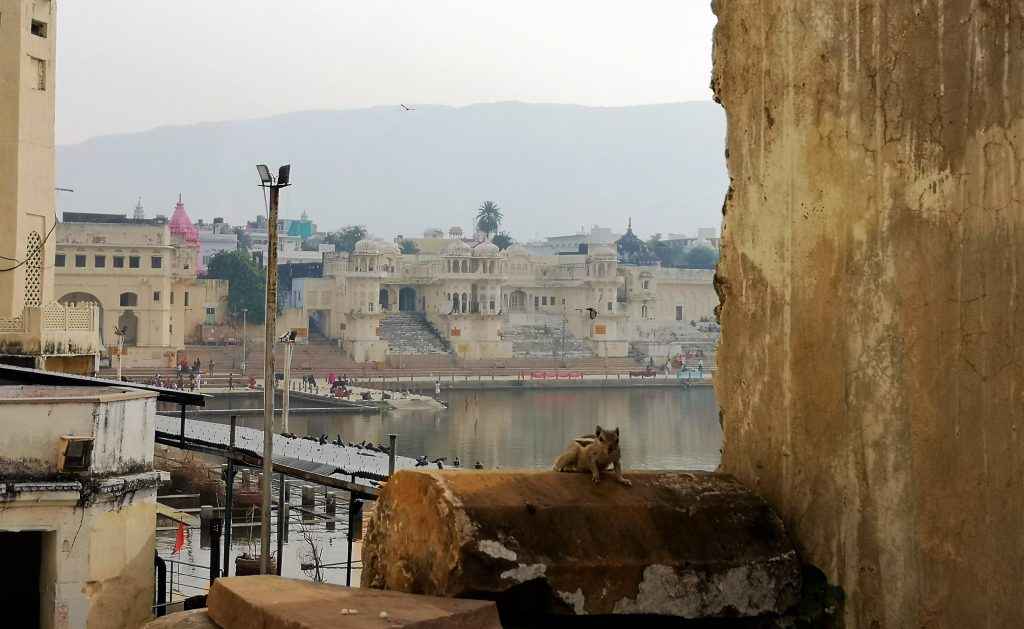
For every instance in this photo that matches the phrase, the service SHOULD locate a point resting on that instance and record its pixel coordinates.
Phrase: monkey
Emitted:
(594, 453)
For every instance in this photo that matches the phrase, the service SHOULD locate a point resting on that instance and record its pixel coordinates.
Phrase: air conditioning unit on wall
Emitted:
(75, 454)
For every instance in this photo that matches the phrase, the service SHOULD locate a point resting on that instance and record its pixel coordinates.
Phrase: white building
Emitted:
(77, 506)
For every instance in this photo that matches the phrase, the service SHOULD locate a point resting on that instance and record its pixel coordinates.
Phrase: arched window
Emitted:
(129, 300)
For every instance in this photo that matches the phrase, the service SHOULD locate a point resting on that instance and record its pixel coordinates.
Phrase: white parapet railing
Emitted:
(54, 329)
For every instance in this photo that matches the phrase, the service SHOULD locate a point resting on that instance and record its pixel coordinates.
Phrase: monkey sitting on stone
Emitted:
(593, 453)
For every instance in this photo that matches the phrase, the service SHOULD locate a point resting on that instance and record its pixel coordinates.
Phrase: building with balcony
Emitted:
(470, 294)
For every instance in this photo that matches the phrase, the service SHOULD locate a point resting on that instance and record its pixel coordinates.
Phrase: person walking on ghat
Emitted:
(437, 389)
(231, 381)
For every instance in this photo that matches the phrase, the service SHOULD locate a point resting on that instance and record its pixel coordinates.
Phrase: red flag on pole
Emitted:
(179, 540)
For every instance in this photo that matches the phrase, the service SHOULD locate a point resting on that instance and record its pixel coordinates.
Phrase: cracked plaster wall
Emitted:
(872, 355)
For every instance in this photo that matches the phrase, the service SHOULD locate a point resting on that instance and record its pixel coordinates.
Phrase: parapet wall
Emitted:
(872, 349)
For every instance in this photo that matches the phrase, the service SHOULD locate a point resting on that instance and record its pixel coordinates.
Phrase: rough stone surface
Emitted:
(675, 543)
(195, 619)
(271, 602)
(872, 350)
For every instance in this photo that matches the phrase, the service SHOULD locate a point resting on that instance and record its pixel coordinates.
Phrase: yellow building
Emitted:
(34, 331)
(143, 279)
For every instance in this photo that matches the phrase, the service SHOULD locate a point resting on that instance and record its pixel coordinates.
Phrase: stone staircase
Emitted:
(541, 335)
(411, 333)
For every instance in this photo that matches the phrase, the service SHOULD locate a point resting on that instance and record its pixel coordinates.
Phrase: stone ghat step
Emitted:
(270, 602)
(681, 544)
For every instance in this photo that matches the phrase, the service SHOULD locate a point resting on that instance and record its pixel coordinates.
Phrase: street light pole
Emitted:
(267, 181)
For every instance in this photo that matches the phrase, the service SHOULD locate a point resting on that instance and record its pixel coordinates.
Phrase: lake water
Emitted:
(661, 428)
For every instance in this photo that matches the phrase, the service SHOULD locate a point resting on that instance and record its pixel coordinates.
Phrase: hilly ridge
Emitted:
(552, 168)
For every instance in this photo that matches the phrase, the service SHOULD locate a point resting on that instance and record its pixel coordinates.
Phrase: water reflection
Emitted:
(662, 428)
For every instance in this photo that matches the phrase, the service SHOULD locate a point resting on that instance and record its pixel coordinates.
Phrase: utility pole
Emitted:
(289, 348)
(120, 348)
(564, 320)
(267, 181)
(244, 311)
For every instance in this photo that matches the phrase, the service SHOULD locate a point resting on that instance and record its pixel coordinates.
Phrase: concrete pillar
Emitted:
(308, 502)
(330, 508)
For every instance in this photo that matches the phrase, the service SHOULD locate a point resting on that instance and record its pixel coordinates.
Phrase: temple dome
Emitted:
(517, 250)
(604, 252)
(485, 250)
(367, 247)
(457, 248)
(181, 224)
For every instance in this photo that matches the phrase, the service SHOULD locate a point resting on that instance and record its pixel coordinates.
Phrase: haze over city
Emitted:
(131, 68)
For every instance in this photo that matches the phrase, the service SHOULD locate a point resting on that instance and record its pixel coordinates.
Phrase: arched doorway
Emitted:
(385, 299)
(517, 301)
(407, 299)
(87, 298)
(130, 323)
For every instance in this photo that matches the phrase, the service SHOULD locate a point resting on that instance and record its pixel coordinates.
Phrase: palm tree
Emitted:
(488, 218)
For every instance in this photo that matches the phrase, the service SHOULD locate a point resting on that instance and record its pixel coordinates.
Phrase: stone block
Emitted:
(195, 619)
(685, 544)
(271, 602)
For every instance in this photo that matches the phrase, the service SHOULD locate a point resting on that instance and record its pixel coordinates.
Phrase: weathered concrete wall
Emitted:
(872, 348)
(692, 545)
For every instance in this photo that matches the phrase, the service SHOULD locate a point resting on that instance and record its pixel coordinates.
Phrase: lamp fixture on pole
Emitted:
(267, 181)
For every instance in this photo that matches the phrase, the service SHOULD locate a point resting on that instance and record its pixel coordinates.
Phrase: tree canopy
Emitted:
(244, 241)
(247, 284)
(503, 240)
(408, 247)
(345, 239)
(488, 218)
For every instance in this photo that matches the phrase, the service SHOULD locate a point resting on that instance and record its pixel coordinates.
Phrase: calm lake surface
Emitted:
(661, 428)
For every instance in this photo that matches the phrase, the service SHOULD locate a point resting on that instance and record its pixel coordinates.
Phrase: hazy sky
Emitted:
(132, 65)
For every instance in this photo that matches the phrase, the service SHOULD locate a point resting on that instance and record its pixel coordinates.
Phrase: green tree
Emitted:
(699, 257)
(244, 241)
(310, 244)
(345, 239)
(247, 284)
(408, 247)
(503, 240)
(660, 248)
(488, 218)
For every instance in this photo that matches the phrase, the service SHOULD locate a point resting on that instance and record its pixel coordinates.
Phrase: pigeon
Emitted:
(322, 440)
(456, 462)
(440, 464)
(478, 465)
(421, 462)
(339, 442)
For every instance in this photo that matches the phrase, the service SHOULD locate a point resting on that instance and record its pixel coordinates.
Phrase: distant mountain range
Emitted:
(551, 168)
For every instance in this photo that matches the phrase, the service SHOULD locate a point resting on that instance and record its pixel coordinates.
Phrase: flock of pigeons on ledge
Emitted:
(421, 461)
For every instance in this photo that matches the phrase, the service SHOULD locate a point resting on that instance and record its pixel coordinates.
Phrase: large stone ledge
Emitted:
(269, 602)
(693, 545)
